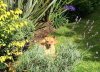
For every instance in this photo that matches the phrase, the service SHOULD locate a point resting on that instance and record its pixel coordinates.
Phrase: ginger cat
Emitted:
(48, 44)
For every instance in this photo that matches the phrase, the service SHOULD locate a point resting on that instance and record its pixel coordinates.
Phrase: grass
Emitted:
(88, 66)
(64, 34)
(91, 57)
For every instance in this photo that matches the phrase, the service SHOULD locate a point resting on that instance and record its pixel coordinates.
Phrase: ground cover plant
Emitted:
(35, 60)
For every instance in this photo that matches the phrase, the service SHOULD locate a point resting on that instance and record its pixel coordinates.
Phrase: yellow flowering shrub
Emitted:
(14, 32)
(3, 58)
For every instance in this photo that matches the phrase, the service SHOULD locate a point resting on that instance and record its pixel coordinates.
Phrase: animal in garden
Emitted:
(48, 43)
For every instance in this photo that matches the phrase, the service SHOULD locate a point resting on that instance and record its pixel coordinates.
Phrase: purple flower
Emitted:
(70, 7)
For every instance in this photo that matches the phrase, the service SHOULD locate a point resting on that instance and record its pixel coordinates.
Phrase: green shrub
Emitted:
(34, 60)
(14, 32)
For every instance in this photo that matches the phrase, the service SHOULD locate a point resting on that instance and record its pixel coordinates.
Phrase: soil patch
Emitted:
(42, 32)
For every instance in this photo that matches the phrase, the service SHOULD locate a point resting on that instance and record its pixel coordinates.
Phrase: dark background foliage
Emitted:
(83, 8)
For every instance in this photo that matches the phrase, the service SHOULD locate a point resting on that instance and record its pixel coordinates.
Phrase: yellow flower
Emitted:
(25, 22)
(18, 11)
(18, 43)
(1, 23)
(16, 16)
(0, 18)
(5, 16)
(16, 26)
(27, 40)
(3, 19)
(8, 13)
(12, 28)
(2, 58)
(1, 2)
(2, 35)
(12, 11)
(21, 24)
(3, 5)
(18, 53)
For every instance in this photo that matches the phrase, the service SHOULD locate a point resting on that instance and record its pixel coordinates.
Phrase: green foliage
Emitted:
(32, 9)
(2, 66)
(46, 10)
(85, 7)
(59, 21)
(39, 9)
(57, 11)
(82, 8)
(14, 31)
(87, 66)
(34, 60)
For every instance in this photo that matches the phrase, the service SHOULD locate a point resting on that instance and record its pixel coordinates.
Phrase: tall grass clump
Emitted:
(57, 13)
(34, 60)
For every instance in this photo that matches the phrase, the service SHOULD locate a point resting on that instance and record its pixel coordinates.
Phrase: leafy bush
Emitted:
(14, 32)
(35, 60)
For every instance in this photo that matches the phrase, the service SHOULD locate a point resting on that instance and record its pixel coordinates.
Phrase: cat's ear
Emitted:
(42, 42)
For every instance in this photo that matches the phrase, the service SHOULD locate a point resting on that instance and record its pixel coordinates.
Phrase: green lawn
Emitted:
(91, 56)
